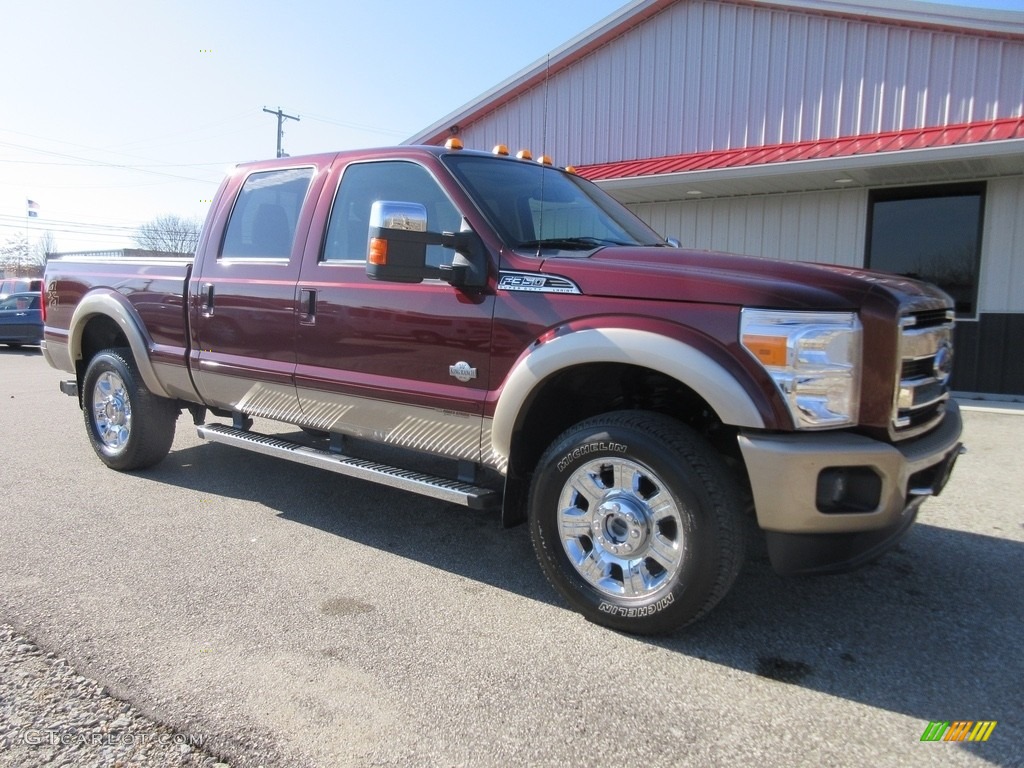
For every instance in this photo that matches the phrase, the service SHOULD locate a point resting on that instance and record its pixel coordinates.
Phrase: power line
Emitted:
(37, 223)
(153, 141)
(91, 164)
(358, 126)
(92, 232)
(148, 139)
(105, 164)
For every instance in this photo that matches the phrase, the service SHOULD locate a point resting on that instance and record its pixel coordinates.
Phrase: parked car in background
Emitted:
(11, 285)
(21, 319)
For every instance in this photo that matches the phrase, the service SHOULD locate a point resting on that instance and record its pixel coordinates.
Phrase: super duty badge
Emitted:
(534, 283)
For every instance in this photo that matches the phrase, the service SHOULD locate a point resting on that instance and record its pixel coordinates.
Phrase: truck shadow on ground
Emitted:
(6, 351)
(931, 630)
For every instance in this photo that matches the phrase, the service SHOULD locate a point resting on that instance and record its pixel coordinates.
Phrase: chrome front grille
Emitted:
(922, 388)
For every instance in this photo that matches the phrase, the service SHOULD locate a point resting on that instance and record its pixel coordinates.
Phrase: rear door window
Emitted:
(265, 215)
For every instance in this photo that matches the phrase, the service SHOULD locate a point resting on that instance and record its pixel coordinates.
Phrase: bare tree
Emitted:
(18, 260)
(45, 245)
(170, 233)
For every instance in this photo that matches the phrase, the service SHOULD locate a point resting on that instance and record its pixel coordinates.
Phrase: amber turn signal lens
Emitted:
(770, 350)
(378, 251)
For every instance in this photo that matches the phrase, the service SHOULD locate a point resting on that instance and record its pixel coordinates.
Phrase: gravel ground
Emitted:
(51, 715)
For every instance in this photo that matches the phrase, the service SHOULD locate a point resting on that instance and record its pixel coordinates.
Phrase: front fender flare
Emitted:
(629, 346)
(111, 304)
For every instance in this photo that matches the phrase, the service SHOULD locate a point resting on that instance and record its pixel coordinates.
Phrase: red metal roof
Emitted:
(845, 146)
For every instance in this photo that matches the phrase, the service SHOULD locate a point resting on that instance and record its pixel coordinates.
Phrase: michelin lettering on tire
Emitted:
(584, 450)
(637, 611)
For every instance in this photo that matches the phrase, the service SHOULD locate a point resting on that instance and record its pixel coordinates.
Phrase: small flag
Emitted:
(33, 209)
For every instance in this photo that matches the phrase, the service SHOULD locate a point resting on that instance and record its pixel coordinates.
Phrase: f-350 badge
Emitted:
(462, 371)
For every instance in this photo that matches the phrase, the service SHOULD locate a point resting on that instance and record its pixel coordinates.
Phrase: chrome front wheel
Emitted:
(621, 528)
(635, 521)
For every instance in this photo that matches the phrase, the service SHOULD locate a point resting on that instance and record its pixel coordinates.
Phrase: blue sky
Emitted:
(115, 112)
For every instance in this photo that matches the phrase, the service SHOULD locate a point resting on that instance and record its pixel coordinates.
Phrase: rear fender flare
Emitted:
(113, 305)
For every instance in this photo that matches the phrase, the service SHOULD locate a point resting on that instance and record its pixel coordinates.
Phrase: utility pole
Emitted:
(281, 117)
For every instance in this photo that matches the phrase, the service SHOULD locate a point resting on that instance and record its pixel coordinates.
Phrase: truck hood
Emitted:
(675, 274)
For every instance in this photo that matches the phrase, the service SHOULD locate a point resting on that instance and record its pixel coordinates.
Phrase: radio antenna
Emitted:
(544, 149)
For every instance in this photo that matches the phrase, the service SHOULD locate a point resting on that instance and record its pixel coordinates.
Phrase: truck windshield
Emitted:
(534, 207)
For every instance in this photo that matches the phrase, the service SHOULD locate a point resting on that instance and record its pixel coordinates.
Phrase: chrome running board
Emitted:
(452, 491)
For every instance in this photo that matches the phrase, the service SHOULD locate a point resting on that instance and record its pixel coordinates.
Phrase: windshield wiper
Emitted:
(570, 243)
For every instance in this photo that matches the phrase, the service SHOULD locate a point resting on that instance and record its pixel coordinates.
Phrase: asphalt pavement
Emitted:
(286, 616)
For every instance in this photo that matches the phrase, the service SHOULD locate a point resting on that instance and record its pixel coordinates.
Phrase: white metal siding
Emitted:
(1002, 248)
(709, 75)
(826, 227)
(831, 227)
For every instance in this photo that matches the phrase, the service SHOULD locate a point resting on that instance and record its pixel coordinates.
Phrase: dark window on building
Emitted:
(266, 213)
(931, 233)
(396, 181)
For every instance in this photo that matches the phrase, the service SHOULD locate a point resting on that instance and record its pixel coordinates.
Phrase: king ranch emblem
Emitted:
(462, 371)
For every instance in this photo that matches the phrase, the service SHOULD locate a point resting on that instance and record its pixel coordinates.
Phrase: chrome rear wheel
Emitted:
(112, 411)
(128, 426)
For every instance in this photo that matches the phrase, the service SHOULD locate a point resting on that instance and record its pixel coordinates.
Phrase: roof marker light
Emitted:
(453, 143)
(544, 160)
(570, 169)
(524, 154)
(500, 149)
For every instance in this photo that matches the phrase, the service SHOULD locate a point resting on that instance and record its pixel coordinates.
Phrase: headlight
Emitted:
(814, 358)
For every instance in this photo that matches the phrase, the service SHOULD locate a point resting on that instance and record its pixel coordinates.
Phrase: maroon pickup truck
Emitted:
(548, 353)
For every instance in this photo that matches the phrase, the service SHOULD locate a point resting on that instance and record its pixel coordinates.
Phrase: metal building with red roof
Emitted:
(862, 133)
